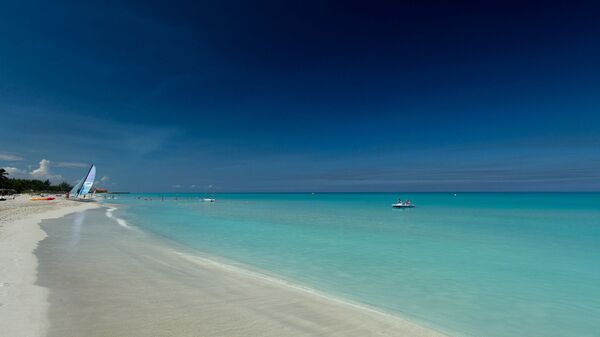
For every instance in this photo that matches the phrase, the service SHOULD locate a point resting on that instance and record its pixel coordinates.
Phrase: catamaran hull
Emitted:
(83, 200)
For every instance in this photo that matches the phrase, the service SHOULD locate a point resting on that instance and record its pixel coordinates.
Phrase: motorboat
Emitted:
(403, 204)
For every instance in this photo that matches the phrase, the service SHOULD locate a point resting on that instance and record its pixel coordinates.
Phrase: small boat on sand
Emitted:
(42, 198)
(81, 191)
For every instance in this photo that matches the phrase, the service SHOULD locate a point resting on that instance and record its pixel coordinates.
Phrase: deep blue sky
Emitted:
(303, 96)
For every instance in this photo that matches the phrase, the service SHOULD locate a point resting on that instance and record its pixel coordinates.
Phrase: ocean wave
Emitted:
(121, 222)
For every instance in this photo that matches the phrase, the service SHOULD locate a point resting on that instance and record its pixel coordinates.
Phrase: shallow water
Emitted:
(107, 279)
(478, 264)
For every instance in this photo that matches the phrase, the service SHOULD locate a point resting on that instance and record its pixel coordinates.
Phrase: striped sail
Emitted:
(76, 188)
(88, 182)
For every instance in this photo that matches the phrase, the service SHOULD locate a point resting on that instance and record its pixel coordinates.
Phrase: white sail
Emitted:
(76, 188)
(88, 182)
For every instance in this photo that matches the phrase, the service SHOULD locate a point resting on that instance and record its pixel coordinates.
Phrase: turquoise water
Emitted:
(474, 264)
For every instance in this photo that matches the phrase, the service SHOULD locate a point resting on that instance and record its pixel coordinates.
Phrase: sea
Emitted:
(468, 264)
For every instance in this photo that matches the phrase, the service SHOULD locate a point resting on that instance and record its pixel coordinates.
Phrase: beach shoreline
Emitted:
(23, 304)
(156, 289)
(51, 264)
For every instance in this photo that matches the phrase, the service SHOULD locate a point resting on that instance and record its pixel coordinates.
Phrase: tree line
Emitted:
(31, 185)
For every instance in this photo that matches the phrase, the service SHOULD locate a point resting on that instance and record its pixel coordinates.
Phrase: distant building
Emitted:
(100, 190)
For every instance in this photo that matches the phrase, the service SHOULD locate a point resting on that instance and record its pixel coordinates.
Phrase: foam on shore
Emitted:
(121, 222)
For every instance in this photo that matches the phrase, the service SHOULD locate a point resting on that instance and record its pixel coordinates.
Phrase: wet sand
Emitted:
(23, 305)
(107, 279)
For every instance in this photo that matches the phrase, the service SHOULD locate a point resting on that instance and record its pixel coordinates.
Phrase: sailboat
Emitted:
(82, 189)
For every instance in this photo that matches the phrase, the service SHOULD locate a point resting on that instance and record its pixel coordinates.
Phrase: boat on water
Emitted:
(209, 200)
(403, 204)
(81, 191)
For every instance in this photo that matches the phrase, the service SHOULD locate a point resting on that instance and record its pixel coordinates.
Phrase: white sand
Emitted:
(23, 305)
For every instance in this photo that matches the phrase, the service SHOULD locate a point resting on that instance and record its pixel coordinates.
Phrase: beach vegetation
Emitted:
(3, 174)
(31, 185)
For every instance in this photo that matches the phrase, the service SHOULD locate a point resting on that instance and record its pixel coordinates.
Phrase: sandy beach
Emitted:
(95, 276)
(23, 305)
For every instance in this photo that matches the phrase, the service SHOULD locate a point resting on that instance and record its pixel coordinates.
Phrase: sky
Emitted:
(302, 96)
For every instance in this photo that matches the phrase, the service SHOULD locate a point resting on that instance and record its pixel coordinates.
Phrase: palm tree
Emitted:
(3, 174)
(3, 177)
(64, 187)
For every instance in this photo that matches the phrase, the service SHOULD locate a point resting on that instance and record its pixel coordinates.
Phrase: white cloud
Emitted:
(43, 172)
(71, 164)
(14, 172)
(9, 157)
(105, 178)
(177, 186)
